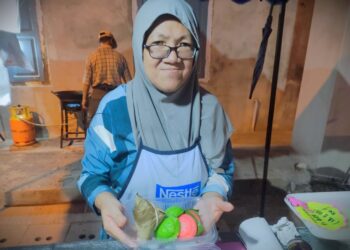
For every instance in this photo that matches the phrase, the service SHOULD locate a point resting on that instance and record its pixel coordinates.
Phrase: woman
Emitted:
(160, 135)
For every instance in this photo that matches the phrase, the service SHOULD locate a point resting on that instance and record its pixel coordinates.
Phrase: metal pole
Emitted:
(272, 104)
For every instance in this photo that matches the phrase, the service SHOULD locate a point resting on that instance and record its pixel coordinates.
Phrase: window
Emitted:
(201, 10)
(29, 42)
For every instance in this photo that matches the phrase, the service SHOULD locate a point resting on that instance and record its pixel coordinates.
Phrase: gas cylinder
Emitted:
(21, 126)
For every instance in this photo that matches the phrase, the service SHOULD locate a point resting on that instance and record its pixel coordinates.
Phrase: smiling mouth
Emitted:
(171, 69)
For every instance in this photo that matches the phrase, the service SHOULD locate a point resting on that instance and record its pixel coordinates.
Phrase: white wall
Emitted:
(326, 66)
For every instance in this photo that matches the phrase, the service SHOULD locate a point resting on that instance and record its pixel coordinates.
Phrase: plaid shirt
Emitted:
(106, 66)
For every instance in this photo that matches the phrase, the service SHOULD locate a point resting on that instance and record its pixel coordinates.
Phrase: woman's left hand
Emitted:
(211, 206)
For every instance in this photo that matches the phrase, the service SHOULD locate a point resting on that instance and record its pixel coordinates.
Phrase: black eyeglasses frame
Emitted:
(170, 50)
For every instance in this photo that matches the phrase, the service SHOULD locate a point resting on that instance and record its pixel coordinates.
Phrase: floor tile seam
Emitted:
(12, 223)
(84, 217)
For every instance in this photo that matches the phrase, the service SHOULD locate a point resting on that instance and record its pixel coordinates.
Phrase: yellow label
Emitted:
(323, 215)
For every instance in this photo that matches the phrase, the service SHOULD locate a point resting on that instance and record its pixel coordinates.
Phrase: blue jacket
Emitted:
(110, 152)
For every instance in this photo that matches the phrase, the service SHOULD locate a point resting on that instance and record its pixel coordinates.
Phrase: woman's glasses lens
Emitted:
(163, 51)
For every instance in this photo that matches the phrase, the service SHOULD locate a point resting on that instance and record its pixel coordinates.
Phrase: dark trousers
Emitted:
(94, 101)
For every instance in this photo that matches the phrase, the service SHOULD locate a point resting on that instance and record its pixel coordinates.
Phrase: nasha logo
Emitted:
(190, 190)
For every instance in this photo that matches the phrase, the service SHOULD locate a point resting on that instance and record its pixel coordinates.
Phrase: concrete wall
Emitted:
(336, 145)
(322, 111)
(321, 127)
(236, 35)
(69, 30)
(69, 33)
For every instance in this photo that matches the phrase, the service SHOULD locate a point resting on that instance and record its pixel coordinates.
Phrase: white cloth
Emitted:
(5, 97)
(9, 16)
(258, 235)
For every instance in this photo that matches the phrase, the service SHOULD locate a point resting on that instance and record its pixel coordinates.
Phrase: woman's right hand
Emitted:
(113, 218)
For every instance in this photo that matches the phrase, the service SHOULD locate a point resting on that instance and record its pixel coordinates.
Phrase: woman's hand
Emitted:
(211, 206)
(113, 218)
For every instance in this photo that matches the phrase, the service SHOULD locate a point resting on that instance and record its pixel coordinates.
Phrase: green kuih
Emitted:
(196, 217)
(174, 211)
(168, 229)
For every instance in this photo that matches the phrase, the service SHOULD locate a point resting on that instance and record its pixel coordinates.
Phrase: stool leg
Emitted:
(67, 127)
(66, 124)
(62, 124)
(84, 122)
(76, 116)
(2, 129)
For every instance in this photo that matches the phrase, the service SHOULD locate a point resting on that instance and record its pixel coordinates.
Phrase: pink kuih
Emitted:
(188, 227)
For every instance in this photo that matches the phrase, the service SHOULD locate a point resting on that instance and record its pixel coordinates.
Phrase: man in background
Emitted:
(105, 69)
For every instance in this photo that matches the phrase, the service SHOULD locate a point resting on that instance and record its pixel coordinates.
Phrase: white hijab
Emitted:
(176, 121)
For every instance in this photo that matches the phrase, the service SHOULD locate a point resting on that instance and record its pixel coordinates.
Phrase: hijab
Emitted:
(168, 122)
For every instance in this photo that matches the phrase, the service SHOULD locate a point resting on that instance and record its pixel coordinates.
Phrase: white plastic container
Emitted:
(204, 241)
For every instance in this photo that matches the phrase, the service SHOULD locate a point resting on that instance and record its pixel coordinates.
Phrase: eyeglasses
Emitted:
(163, 51)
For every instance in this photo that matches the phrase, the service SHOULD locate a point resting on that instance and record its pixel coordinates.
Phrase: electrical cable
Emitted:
(42, 125)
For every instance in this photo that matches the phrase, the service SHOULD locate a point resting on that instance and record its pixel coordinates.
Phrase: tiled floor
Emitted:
(45, 174)
(47, 224)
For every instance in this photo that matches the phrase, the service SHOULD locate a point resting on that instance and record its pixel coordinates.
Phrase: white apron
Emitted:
(167, 174)
(164, 174)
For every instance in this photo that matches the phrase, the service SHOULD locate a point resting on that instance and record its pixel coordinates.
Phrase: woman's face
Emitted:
(171, 73)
